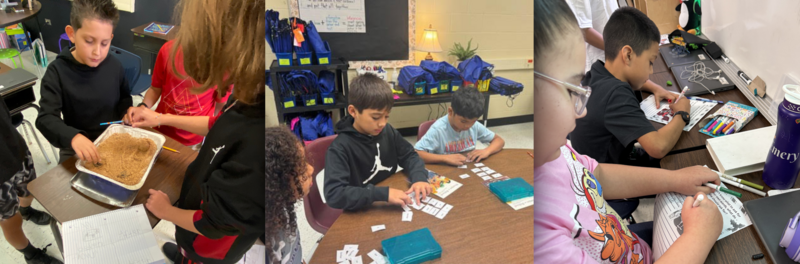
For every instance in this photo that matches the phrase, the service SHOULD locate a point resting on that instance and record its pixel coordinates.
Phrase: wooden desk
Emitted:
(479, 229)
(54, 191)
(739, 246)
(693, 139)
(7, 19)
(152, 42)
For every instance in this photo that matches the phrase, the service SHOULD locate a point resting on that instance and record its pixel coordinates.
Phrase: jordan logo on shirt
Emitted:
(377, 167)
(216, 150)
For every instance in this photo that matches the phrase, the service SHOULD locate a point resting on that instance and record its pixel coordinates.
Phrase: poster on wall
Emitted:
(334, 16)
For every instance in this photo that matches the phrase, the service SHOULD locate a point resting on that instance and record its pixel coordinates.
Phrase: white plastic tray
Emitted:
(134, 132)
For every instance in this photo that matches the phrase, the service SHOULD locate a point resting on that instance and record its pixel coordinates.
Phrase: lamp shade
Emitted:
(429, 41)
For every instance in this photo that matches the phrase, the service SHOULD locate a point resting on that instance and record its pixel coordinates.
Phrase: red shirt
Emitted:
(176, 98)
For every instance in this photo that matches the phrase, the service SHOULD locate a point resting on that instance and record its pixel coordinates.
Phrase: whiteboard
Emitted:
(761, 37)
(342, 16)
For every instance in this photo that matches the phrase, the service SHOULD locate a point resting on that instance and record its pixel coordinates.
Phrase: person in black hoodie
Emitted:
(84, 84)
(368, 150)
(220, 212)
(16, 171)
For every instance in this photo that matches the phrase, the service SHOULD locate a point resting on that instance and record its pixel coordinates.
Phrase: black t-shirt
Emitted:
(614, 120)
(12, 147)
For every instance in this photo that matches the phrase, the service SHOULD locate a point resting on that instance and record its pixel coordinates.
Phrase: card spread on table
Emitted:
(464, 176)
(441, 214)
(405, 207)
(476, 170)
(341, 256)
(489, 171)
(352, 254)
(428, 208)
(378, 228)
(356, 260)
(497, 175)
(485, 169)
(350, 247)
(462, 166)
(426, 199)
(376, 257)
(433, 202)
(447, 207)
(486, 178)
(481, 174)
(434, 211)
(345, 262)
(479, 165)
(438, 204)
(407, 216)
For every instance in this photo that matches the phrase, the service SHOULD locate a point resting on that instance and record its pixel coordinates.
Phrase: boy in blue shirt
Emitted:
(457, 132)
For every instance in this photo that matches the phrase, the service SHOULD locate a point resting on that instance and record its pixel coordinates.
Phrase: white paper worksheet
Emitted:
(120, 236)
(663, 115)
(668, 225)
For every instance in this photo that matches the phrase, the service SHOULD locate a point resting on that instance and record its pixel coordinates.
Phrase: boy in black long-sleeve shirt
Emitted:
(84, 84)
(368, 150)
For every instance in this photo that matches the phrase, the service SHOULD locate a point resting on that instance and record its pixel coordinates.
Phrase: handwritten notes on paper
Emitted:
(339, 16)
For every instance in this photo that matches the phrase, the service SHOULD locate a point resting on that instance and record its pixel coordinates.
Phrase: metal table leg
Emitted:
(57, 235)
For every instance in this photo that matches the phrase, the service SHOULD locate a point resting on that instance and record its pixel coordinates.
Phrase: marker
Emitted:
(740, 181)
(723, 189)
(721, 121)
(109, 123)
(726, 127)
(704, 100)
(746, 188)
(681, 94)
(705, 128)
(744, 77)
(698, 200)
(711, 124)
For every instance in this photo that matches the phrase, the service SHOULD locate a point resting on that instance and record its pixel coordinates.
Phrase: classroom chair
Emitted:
(61, 39)
(133, 68)
(17, 120)
(423, 128)
(320, 216)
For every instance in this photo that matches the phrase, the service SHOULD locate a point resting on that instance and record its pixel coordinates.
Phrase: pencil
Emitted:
(529, 154)
(723, 189)
(109, 123)
(170, 149)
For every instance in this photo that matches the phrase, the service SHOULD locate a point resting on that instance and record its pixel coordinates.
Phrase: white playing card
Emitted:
(441, 214)
(464, 176)
(439, 204)
(462, 167)
(476, 170)
(497, 175)
(350, 247)
(405, 208)
(352, 254)
(434, 211)
(489, 171)
(378, 228)
(478, 164)
(485, 169)
(407, 216)
(481, 174)
(376, 257)
(426, 200)
(416, 206)
(486, 178)
(356, 260)
(447, 207)
(345, 262)
(341, 256)
(428, 208)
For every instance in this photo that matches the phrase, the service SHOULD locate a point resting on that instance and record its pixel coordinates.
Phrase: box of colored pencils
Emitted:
(729, 119)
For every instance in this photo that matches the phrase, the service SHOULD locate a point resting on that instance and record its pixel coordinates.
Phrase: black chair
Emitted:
(132, 63)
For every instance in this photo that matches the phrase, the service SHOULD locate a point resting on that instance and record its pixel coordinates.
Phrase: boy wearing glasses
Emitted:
(615, 120)
(457, 132)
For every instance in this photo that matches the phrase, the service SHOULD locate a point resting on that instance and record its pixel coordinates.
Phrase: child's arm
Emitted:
(430, 144)
(496, 143)
(144, 117)
(151, 96)
(701, 228)
(621, 181)
(658, 143)
(452, 159)
(338, 191)
(49, 121)
(158, 204)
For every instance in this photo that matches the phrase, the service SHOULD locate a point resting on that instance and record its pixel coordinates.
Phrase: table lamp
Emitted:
(429, 42)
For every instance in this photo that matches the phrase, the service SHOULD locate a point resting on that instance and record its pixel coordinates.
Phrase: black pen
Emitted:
(744, 77)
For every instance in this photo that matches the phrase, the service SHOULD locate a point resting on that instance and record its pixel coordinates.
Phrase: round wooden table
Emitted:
(7, 19)
(479, 229)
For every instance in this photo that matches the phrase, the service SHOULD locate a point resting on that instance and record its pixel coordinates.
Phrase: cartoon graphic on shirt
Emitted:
(619, 243)
(576, 229)
(215, 150)
(378, 166)
(458, 146)
(183, 101)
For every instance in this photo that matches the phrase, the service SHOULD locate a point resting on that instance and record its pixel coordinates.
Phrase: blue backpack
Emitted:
(474, 69)
(409, 75)
(327, 82)
(505, 86)
(441, 70)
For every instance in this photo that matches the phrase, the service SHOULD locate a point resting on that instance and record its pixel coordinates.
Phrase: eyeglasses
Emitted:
(578, 94)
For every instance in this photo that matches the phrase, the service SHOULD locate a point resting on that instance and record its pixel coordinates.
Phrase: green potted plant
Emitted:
(462, 53)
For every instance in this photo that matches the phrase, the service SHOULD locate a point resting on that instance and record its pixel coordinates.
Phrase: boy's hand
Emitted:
(85, 149)
(690, 180)
(455, 159)
(704, 221)
(398, 197)
(681, 105)
(143, 117)
(477, 155)
(662, 94)
(158, 203)
(420, 190)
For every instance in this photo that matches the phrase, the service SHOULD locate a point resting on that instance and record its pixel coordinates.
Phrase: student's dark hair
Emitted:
(629, 26)
(368, 91)
(103, 10)
(285, 174)
(468, 102)
(551, 18)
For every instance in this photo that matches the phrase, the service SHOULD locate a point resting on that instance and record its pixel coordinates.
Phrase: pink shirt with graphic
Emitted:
(573, 223)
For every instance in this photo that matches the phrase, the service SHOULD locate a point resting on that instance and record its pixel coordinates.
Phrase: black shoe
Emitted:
(41, 257)
(170, 250)
(35, 216)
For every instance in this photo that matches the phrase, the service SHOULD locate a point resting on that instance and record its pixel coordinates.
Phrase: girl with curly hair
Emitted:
(288, 180)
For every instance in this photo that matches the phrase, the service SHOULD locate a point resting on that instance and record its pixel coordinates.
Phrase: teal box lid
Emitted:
(412, 248)
(511, 189)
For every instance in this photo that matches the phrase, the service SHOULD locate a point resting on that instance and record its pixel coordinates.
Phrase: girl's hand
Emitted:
(143, 117)
(703, 221)
(690, 180)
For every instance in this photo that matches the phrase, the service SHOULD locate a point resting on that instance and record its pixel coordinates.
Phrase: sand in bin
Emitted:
(124, 158)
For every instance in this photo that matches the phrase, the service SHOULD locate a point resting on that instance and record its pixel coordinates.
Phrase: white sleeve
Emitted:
(583, 12)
